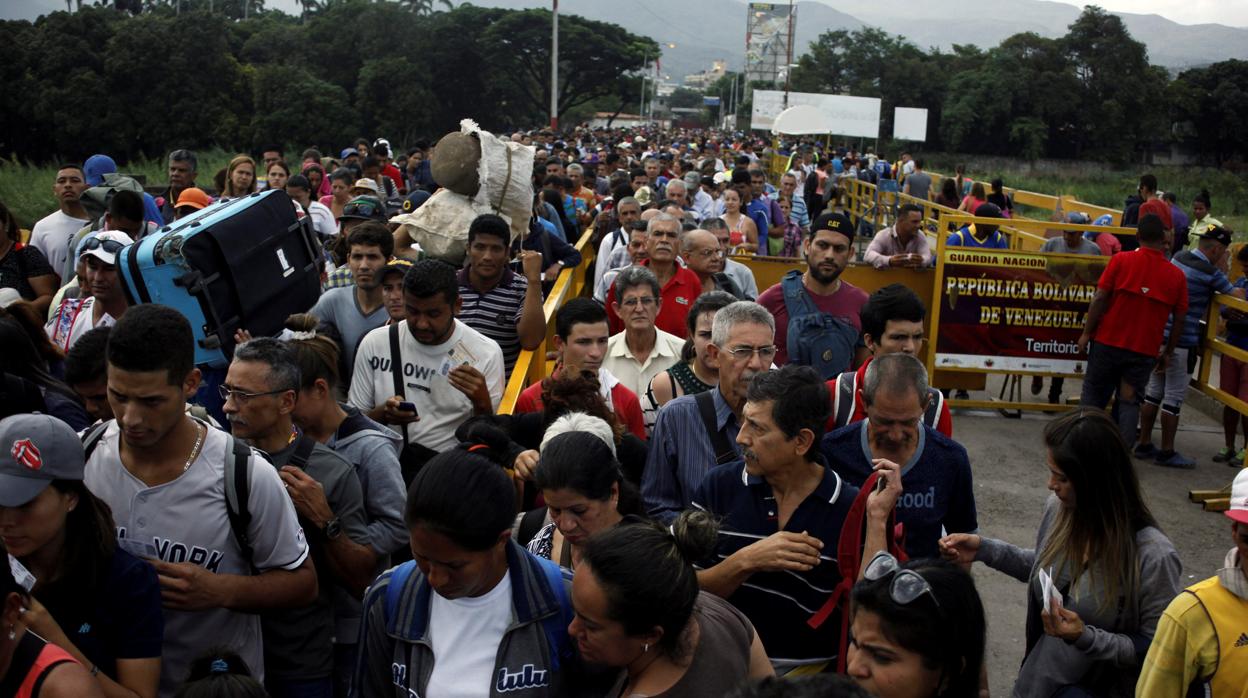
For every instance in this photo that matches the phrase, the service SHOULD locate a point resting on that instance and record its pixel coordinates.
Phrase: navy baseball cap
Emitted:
(36, 449)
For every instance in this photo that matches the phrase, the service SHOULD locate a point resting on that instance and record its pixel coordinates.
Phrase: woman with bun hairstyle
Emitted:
(918, 630)
(1202, 218)
(585, 493)
(638, 608)
(473, 614)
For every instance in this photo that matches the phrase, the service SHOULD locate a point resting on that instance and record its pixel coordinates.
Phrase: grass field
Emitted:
(27, 189)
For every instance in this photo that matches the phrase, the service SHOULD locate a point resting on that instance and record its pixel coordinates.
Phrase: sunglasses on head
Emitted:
(907, 585)
(109, 246)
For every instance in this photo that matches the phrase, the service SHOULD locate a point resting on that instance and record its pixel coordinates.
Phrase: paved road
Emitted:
(1007, 456)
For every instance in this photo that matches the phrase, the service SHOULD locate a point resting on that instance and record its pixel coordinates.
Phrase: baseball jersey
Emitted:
(186, 521)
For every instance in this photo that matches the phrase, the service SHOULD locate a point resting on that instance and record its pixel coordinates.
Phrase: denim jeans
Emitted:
(1108, 368)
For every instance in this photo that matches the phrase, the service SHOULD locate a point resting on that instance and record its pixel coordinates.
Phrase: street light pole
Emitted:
(554, 66)
(788, 62)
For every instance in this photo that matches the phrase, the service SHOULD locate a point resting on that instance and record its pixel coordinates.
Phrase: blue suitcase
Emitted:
(246, 263)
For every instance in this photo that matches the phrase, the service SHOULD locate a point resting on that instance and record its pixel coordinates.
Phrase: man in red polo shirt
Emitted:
(679, 285)
(892, 323)
(1138, 293)
(581, 339)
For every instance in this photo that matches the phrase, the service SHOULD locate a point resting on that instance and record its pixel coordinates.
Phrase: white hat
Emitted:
(105, 245)
(366, 183)
(1238, 510)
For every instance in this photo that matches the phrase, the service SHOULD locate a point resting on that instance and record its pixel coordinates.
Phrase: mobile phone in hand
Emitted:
(407, 407)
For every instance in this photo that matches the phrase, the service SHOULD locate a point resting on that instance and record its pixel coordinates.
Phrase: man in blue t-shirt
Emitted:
(781, 513)
(1167, 385)
(935, 470)
(980, 234)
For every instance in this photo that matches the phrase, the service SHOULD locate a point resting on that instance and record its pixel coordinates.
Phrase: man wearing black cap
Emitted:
(817, 322)
(1136, 297)
(1168, 384)
(980, 234)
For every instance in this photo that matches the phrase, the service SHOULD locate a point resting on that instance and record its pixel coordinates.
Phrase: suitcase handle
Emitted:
(194, 283)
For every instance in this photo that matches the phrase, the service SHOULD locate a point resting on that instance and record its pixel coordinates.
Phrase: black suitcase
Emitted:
(244, 263)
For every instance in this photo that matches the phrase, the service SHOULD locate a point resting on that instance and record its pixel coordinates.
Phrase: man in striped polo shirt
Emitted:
(498, 302)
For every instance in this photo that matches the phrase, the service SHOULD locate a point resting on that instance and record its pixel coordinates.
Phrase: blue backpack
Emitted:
(816, 339)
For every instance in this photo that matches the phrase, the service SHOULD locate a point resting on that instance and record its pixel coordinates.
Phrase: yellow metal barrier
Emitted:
(1213, 345)
(531, 366)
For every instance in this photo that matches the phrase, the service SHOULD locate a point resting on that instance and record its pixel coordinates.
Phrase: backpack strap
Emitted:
(556, 625)
(724, 451)
(843, 398)
(304, 446)
(394, 589)
(91, 438)
(935, 401)
(530, 524)
(396, 368)
(238, 496)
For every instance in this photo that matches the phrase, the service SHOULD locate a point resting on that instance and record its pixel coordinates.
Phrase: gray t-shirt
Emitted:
(1058, 244)
(339, 307)
(299, 642)
(186, 521)
(920, 183)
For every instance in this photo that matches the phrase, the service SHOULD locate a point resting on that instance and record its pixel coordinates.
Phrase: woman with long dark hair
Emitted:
(24, 268)
(918, 630)
(1113, 571)
(639, 609)
(97, 602)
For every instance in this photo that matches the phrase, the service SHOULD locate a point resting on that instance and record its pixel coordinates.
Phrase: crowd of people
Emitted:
(718, 490)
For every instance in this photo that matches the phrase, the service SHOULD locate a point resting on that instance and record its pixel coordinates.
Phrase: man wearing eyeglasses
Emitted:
(107, 300)
(935, 470)
(694, 433)
(704, 257)
(679, 286)
(781, 514)
(260, 391)
(641, 351)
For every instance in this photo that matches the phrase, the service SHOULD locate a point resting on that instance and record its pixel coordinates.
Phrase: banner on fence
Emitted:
(1008, 311)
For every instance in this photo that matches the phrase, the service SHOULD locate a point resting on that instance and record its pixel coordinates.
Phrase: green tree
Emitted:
(592, 56)
(292, 106)
(1210, 109)
(401, 115)
(684, 98)
(1120, 93)
(425, 7)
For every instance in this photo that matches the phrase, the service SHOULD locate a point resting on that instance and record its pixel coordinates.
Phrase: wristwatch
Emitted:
(332, 528)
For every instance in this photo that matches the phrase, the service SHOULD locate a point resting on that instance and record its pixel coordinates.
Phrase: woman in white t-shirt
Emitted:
(474, 614)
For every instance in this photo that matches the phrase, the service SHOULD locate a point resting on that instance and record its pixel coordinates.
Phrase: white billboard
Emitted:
(849, 116)
(910, 124)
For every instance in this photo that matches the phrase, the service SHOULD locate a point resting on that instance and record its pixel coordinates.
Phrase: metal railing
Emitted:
(531, 366)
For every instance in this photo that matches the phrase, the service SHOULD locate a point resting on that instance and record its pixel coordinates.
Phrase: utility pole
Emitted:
(788, 60)
(554, 66)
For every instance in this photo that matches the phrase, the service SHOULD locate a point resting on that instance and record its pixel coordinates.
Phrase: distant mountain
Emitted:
(985, 23)
(703, 30)
(708, 30)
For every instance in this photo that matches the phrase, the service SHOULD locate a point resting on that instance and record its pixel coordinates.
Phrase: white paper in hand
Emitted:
(1046, 590)
(21, 575)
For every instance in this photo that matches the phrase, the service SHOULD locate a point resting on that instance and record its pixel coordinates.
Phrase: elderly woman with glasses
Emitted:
(1100, 575)
(918, 630)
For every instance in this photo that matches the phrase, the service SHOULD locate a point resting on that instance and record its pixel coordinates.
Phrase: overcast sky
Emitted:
(1230, 12)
